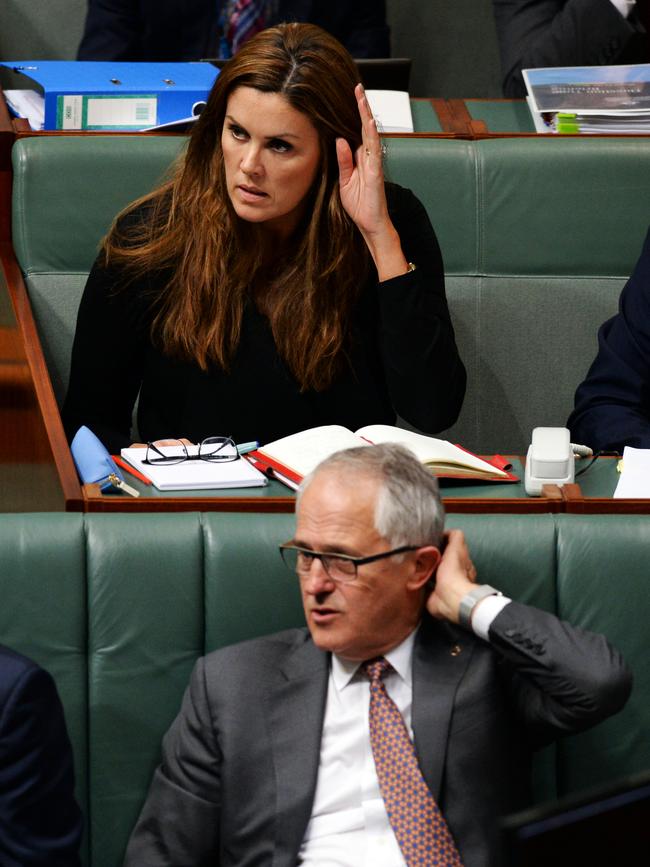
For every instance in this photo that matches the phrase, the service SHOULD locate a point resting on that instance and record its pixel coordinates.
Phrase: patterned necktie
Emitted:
(416, 820)
(248, 18)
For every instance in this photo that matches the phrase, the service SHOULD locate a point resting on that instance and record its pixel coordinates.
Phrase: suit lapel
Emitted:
(440, 658)
(297, 709)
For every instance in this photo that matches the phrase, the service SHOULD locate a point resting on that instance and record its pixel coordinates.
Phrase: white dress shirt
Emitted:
(349, 825)
(624, 6)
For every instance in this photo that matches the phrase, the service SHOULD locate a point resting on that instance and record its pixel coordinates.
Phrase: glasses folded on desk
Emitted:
(212, 449)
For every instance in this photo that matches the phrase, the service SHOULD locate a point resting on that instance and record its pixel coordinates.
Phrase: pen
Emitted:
(244, 448)
(263, 468)
(121, 463)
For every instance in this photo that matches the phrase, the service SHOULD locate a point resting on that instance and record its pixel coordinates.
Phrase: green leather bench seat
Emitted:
(119, 609)
(538, 237)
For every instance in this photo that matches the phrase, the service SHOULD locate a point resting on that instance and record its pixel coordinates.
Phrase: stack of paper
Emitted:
(28, 104)
(635, 475)
(391, 110)
(590, 99)
(197, 474)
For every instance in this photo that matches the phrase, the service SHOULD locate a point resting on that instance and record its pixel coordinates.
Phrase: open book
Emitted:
(293, 457)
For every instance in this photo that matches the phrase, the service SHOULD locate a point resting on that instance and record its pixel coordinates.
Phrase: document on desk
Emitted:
(635, 476)
(391, 109)
(196, 475)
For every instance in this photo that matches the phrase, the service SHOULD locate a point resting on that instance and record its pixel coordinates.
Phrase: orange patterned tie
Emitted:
(416, 820)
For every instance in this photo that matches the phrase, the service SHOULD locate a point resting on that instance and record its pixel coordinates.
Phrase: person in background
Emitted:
(539, 33)
(177, 30)
(612, 405)
(399, 725)
(40, 821)
(276, 282)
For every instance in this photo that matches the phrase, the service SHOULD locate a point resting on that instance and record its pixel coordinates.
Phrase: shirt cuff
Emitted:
(484, 613)
(624, 6)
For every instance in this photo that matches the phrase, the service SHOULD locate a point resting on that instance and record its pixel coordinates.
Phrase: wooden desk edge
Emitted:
(41, 379)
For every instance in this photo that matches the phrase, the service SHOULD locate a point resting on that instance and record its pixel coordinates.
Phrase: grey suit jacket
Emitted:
(240, 762)
(538, 33)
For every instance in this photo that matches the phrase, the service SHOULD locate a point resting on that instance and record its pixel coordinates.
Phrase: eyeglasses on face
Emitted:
(339, 567)
(170, 452)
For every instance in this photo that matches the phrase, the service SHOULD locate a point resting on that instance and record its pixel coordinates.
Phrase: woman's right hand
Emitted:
(363, 195)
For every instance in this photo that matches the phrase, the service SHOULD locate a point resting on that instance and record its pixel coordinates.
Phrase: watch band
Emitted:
(468, 602)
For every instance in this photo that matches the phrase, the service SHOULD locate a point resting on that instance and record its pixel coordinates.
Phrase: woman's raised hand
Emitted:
(361, 181)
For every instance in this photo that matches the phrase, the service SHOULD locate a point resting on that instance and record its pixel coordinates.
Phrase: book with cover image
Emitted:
(293, 457)
(590, 98)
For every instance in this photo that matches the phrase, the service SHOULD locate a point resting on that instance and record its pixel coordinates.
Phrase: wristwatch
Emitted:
(468, 602)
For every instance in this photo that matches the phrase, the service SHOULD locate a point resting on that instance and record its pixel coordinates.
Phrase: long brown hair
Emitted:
(214, 258)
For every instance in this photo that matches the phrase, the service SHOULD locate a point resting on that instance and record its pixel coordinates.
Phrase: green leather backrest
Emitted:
(145, 630)
(537, 235)
(67, 190)
(561, 224)
(602, 585)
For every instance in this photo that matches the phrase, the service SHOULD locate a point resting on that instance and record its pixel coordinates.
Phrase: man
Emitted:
(612, 405)
(538, 33)
(175, 30)
(40, 822)
(280, 755)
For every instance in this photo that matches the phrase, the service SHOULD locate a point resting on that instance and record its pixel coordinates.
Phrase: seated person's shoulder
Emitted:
(266, 652)
(14, 665)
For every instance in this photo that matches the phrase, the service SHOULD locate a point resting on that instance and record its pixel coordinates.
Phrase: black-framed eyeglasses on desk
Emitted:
(169, 452)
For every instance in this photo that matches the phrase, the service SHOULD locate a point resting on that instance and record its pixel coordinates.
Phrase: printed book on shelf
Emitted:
(293, 457)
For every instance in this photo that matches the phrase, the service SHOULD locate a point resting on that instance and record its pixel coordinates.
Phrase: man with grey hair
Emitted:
(396, 728)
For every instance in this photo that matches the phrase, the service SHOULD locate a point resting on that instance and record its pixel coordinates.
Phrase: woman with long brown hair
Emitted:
(275, 282)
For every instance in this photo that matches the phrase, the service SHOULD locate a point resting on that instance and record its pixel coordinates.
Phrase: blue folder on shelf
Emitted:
(103, 95)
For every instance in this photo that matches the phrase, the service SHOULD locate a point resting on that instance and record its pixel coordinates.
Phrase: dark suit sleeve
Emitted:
(179, 823)
(424, 372)
(40, 821)
(113, 31)
(367, 34)
(562, 679)
(612, 405)
(538, 33)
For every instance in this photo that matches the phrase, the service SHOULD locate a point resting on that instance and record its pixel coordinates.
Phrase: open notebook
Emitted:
(293, 457)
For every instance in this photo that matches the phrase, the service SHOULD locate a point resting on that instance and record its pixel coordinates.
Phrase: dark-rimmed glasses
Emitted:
(170, 452)
(339, 567)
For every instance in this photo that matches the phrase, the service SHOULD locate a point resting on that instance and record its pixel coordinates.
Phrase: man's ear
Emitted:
(427, 559)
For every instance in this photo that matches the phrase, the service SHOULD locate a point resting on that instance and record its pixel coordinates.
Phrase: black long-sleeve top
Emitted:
(403, 360)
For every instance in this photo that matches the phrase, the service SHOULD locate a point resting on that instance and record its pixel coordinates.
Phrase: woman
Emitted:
(274, 283)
